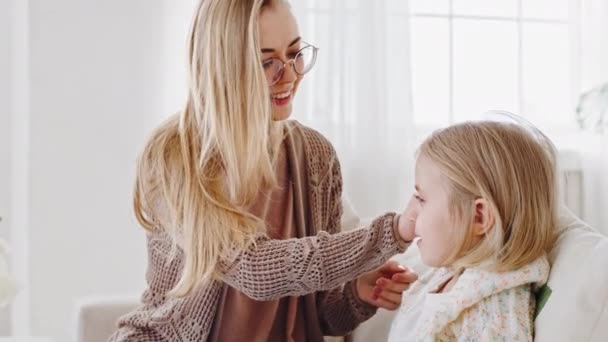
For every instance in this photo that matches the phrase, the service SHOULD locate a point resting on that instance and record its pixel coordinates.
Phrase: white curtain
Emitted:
(594, 70)
(359, 95)
(594, 42)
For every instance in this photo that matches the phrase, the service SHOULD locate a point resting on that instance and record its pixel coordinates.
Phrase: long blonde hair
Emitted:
(204, 166)
(514, 171)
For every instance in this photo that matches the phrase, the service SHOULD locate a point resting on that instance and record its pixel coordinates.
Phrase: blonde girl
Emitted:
(486, 216)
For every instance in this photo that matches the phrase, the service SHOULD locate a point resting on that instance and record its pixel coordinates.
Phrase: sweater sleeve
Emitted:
(340, 310)
(272, 269)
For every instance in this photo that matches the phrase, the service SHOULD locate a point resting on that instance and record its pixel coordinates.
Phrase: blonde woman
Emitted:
(486, 219)
(241, 206)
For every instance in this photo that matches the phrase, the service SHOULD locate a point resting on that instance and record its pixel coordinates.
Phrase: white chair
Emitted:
(96, 317)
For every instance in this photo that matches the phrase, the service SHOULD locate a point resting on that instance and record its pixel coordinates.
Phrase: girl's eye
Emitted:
(418, 198)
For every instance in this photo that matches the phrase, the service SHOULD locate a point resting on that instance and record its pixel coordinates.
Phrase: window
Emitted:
(469, 56)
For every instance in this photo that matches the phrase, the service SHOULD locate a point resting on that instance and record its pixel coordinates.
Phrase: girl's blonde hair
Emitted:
(514, 171)
(203, 167)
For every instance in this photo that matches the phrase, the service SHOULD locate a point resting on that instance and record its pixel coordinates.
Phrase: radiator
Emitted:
(571, 182)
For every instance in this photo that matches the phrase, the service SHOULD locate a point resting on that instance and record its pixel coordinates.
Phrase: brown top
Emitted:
(276, 320)
(318, 265)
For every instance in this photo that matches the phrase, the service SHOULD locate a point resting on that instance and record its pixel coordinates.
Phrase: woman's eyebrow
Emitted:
(268, 50)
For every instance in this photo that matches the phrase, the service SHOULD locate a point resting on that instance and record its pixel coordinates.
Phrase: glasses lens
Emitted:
(273, 69)
(305, 59)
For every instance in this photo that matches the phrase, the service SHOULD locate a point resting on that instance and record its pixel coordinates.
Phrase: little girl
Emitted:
(485, 218)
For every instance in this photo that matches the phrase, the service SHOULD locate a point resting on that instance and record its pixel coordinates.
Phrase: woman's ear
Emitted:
(483, 217)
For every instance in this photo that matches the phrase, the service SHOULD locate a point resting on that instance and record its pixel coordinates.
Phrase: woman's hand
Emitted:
(383, 287)
(406, 225)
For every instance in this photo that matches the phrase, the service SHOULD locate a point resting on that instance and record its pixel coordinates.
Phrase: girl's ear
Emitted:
(483, 217)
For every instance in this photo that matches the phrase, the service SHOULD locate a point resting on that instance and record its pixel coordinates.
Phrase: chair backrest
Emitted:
(576, 307)
(96, 317)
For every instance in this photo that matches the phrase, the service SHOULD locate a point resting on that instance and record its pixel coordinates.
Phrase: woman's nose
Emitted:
(289, 74)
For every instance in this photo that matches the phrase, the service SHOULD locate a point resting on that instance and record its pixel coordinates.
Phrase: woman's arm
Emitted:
(273, 269)
(341, 310)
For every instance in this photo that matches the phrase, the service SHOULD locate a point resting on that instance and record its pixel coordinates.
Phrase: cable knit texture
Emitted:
(319, 265)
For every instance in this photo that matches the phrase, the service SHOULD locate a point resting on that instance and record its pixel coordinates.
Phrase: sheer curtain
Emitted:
(594, 72)
(594, 42)
(359, 95)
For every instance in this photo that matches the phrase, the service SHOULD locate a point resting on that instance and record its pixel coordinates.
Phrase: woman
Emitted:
(242, 207)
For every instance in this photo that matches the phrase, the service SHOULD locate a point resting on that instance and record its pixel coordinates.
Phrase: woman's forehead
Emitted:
(278, 27)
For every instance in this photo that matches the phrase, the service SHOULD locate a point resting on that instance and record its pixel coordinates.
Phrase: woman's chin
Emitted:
(279, 114)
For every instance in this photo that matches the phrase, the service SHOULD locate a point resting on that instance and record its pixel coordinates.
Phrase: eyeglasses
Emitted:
(302, 62)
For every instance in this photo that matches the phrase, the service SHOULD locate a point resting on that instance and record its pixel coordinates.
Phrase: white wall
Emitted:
(88, 82)
(4, 136)
(4, 113)
(178, 16)
(95, 93)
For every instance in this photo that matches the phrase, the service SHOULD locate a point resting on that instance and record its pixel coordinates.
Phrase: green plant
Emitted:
(592, 109)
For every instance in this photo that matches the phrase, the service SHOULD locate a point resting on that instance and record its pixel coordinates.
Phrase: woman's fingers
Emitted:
(409, 276)
(390, 268)
(381, 302)
(398, 282)
(388, 291)
(389, 296)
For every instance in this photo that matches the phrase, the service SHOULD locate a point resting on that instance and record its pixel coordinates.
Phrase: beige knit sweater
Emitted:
(316, 265)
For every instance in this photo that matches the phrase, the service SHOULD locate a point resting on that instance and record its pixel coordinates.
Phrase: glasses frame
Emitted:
(292, 62)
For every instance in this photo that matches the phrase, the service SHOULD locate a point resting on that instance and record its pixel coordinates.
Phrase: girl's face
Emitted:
(434, 225)
(280, 42)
